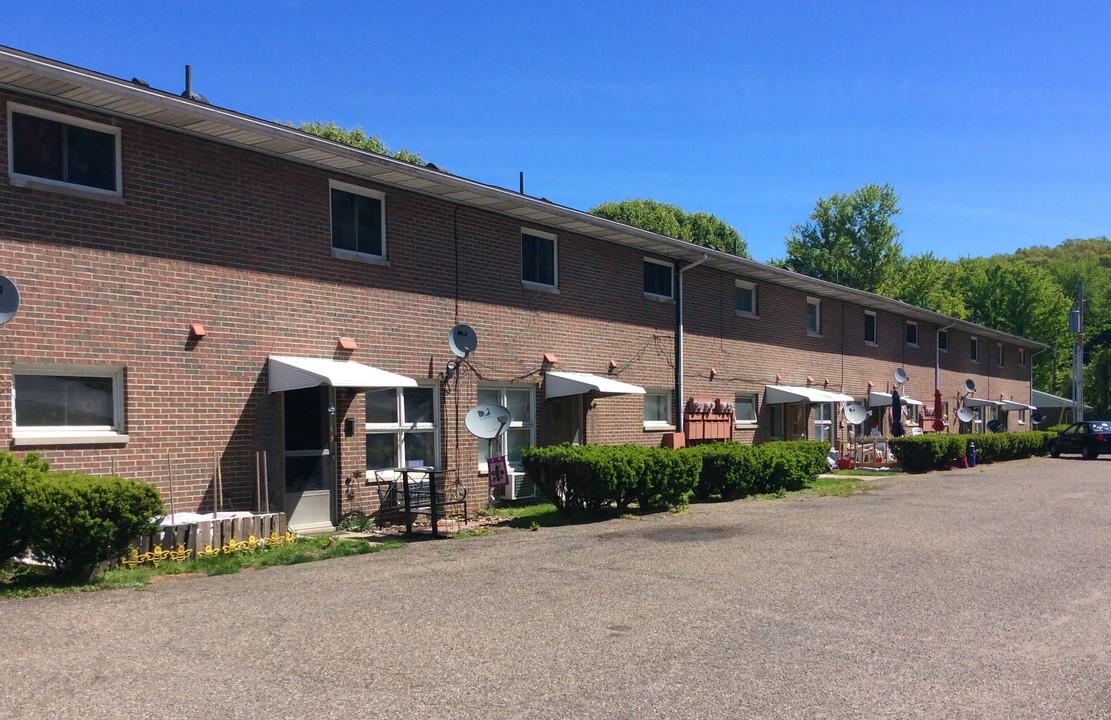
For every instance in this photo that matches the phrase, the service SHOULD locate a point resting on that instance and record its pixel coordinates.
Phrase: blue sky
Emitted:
(990, 120)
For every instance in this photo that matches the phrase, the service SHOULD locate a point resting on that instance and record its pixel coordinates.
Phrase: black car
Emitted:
(1089, 438)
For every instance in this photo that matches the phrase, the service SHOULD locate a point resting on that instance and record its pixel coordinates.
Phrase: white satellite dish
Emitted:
(462, 340)
(856, 413)
(965, 415)
(900, 376)
(969, 386)
(9, 299)
(488, 420)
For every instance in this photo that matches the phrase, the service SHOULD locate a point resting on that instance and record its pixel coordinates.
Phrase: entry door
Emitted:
(309, 464)
(567, 419)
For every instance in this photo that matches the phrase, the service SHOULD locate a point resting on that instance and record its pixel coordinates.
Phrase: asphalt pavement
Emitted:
(977, 593)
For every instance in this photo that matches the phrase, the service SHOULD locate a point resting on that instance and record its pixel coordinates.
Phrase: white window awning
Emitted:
(1045, 400)
(883, 399)
(783, 394)
(562, 384)
(980, 402)
(295, 373)
(1012, 405)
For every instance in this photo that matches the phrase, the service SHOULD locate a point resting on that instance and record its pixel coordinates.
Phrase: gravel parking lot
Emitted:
(978, 593)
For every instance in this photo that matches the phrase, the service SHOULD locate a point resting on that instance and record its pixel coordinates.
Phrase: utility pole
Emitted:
(1076, 326)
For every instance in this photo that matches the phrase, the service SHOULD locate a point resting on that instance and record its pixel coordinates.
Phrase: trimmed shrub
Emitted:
(76, 521)
(923, 453)
(731, 470)
(15, 476)
(668, 479)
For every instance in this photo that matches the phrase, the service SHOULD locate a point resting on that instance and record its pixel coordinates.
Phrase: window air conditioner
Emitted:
(520, 487)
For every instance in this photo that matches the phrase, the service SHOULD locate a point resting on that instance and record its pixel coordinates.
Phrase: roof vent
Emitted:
(189, 94)
(140, 81)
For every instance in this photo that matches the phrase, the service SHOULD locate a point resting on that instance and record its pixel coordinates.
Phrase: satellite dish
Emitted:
(995, 426)
(462, 340)
(1037, 418)
(900, 376)
(9, 299)
(965, 415)
(488, 420)
(969, 386)
(856, 413)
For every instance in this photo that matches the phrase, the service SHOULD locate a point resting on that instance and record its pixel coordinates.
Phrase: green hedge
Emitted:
(71, 520)
(731, 470)
(589, 477)
(923, 453)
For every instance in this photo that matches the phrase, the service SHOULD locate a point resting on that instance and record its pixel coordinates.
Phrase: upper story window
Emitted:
(358, 221)
(974, 349)
(943, 340)
(62, 404)
(999, 354)
(659, 279)
(60, 151)
(813, 316)
(744, 298)
(869, 327)
(401, 428)
(539, 259)
(912, 333)
(1022, 357)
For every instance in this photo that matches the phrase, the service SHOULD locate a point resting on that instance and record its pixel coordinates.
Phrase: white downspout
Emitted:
(679, 342)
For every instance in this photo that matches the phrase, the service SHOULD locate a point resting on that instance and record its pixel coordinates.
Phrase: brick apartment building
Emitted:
(198, 286)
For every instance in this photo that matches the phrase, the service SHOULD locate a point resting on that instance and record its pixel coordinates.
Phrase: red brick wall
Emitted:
(240, 242)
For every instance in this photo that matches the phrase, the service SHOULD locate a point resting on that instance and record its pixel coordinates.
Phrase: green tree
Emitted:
(1097, 383)
(933, 283)
(850, 239)
(357, 138)
(699, 228)
(1018, 298)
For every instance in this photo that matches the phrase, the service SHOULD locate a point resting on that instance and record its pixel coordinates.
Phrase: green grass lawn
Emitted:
(34, 580)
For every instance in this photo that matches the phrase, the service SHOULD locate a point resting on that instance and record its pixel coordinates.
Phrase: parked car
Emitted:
(1090, 438)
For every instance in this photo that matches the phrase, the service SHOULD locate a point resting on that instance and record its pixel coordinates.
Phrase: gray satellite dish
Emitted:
(856, 413)
(9, 299)
(900, 376)
(488, 420)
(965, 415)
(969, 386)
(462, 340)
(1037, 418)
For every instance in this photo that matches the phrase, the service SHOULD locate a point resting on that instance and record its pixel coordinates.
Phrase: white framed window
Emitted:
(539, 259)
(823, 422)
(943, 340)
(53, 150)
(999, 355)
(657, 409)
(912, 333)
(64, 405)
(402, 427)
(358, 221)
(869, 327)
(813, 316)
(746, 408)
(744, 298)
(521, 433)
(1022, 357)
(659, 279)
(974, 349)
